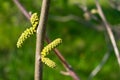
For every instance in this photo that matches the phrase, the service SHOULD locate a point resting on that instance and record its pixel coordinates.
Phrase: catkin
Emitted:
(48, 62)
(51, 46)
(27, 33)
(30, 31)
(46, 50)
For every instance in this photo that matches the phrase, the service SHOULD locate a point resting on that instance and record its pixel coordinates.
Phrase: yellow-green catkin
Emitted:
(48, 62)
(27, 33)
(51, 46)
(30, 31)
(46, 51)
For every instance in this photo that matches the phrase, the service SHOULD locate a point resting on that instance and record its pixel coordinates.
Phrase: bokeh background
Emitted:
(84, 39)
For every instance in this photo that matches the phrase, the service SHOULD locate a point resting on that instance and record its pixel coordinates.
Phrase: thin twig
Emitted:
(109, 31)
(62, 59)
(68, 68)
(22, 8)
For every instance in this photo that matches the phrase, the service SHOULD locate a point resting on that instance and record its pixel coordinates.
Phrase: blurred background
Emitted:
(84, 39)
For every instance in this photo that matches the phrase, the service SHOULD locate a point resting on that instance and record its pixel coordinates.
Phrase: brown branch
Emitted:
(64, 62)
(109, 31)
(22, 8)
(57, 52)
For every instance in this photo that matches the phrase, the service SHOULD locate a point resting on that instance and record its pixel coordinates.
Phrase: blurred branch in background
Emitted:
(115, 4)
(100, 66)
(104, 59)
(109, 31)
(107, 54)
(59, 55)
(79, 20)
(87, 14)
(86, 22)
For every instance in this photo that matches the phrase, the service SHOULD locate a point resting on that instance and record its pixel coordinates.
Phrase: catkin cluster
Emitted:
(30, 31)
(46, 50)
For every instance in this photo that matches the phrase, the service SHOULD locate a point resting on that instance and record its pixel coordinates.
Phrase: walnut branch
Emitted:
(57, 52)
(40, 38)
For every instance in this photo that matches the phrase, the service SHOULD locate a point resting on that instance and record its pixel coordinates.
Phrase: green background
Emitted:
(83, 46)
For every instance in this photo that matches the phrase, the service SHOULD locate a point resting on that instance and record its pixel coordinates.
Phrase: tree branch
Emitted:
(57, 52)
(109, 31)
(22, 8)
